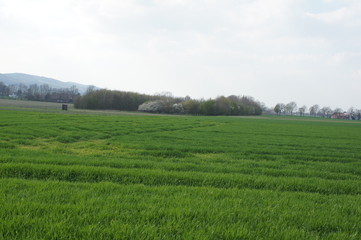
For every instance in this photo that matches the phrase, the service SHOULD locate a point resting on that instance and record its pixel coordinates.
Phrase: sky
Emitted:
(277, 51)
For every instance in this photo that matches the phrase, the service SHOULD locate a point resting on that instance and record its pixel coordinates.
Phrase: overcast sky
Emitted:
(307, 51)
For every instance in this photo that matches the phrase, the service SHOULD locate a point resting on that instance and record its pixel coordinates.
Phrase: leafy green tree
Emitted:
(192, 107)
(223, 106)
(130, 101)
(208, 107)
(279, 108)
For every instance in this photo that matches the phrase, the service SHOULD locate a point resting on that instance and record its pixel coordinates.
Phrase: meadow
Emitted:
(111, 175)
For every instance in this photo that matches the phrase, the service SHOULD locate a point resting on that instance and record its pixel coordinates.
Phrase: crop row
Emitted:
(61, 210)
(196, 165)
(160, 177)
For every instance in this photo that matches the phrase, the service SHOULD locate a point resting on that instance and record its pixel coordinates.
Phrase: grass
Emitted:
(94, 175)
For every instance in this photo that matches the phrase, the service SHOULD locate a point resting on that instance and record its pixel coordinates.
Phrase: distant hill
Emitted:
(17, 78)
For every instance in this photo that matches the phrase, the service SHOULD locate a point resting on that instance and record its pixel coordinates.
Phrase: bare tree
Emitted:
(279, 108)
(290, 107)
(22, 90)
(90, 89)
(33, 92)
(358, 114)
(4, 90)
(352, 113)
(338, 110)
(338, 113)
(329, 112)
(302, 110)
(44, 90)
(314, 110)
(325, 111)
(73, 90)
(13, 89)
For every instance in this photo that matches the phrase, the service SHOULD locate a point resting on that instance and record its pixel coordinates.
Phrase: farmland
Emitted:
(109, 175)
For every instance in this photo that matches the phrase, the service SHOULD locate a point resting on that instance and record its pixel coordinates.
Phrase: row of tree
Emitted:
(288, 108)
(316, 111)
(166, 103)
(38, 92)
(111, 100)
(231, 105)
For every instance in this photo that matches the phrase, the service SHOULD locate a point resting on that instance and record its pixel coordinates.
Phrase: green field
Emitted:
(110, 175)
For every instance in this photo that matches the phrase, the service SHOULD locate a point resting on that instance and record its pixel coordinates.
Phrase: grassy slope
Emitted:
(71, 176)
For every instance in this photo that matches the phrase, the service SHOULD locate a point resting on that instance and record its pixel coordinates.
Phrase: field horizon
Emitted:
(85, 174)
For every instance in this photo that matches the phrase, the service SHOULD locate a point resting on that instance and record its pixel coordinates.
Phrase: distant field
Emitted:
(105, 175)
(33, 105)
(36, 106)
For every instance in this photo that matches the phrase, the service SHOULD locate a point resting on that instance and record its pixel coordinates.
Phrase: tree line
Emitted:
(37, 92)
(231, 105)
(166, 103)
(104, 99)
(317, 111)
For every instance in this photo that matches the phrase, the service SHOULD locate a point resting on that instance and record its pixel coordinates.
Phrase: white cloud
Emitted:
(345, 58)
(260, 12)
(264, 48)
(349, 15)
(357, 75)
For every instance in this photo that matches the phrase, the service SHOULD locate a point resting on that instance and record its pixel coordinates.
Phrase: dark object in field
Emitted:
(64, 107)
